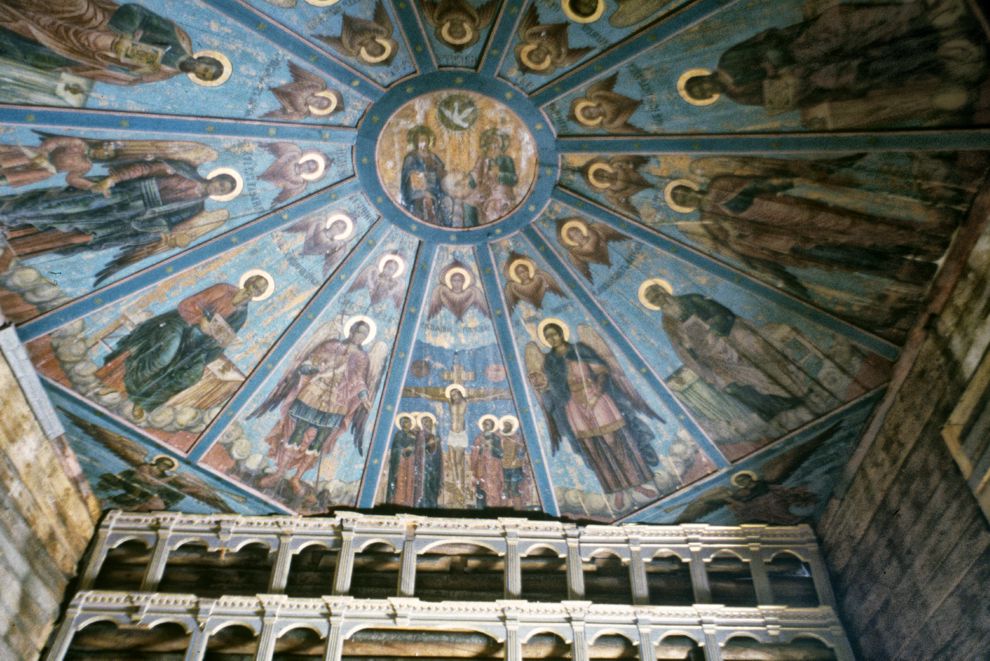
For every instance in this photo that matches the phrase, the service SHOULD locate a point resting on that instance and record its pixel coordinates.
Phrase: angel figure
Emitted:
(587, 243)
(327, 236)
(22, 165)
(384, 280)
(543, 47)
(371, 42)
(457, 293)
(153, 483)
(618, 178)
(589, 401)
(527, 282)
(457, 397)
(602, 107)
(294, 169)
(306, 96)
(457, 23)
(326, 392)
(762, 497)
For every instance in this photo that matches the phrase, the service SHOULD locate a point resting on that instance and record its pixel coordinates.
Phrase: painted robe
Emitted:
(486, 466)
(402, 469)
(168, 353)
(584, 403)
(82, 37)
(422, 195)
(147, 200)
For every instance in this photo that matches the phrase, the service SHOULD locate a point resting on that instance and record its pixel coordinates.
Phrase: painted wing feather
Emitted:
(486, 13)
(130, 451)
(196, 488)
(589, 336)
(784, 465)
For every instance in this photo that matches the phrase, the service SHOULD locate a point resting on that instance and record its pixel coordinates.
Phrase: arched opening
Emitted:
(232, 643)
(459, 572)
(546, 646)
(393, 644)
(669, 580)
(606, 579)
(544, 575)
(375, 571)
(311, 572)
(124, 566)
(791, 582)
(107, 640)
(730, 580)
(612, 646)
(743, 648)
(679, 648)
(194, 569)
(299, 643)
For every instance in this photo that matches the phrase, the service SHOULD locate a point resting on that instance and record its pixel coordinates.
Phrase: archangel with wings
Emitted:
(327, 236)
(326, 392)
(619, 179)
(458, 293)
(384, 280)
(527, 282)
(293, 169)
(306, 96)
(457, 23)
(602, 107)
(368, 41)
(543, 47)
(587, 243)
(588, 400)
(154, 482)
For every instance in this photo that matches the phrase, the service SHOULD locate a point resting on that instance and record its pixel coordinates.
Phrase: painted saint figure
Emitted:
(732, 355)
(327, 393)
(429, 447)
(588, 400)
(514, 474)
(401, 488)
(132, 207)
(486, 464)
(493, 179)
(856, 65)
(168, 353)
(458, 293)
(422, 174)
(383, 280)
(103, 41)
(527, 282)
(602, 107)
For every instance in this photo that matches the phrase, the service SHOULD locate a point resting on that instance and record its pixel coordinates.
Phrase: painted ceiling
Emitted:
(618, 260)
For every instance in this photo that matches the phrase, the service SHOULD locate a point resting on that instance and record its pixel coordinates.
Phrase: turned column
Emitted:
(60, 646)
(159, 557)
(345, 560)
(699, 576)
(637, 573)
(575, 571)
(646, 650)
(407, 571)
(335, 639)
(283, 560)
(513, 569)
(761, 579)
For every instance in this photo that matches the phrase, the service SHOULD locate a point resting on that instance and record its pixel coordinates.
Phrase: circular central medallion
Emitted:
(456, 159)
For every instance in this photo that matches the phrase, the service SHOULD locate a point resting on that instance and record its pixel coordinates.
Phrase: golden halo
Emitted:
(449, 390)
(425, 414)
(224, 61)
(525, 261)
(577, 18)
(269, 290)
(372, 328)
(238, 184)
(509, 418)
(448, 276)
(445, 35)
(649, 283)
(579, 106)
(530, 64)
(579, 224)
(668, 195)
(553, 320)
(387, 53)
(157, 457)
(593, 175)
(319, 159)
(322, 3)
(682, 87)
(344, 218)
(488, 416)
(398, 419)
(735, 478)
(334, 98)
(392, 258)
